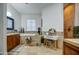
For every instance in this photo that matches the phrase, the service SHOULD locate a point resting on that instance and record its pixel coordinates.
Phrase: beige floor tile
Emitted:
(35, 50)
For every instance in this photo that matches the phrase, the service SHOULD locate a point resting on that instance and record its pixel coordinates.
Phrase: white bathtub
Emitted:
(27, 34)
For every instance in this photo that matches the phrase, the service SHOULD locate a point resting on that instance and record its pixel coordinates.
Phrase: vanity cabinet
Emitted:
(12, 41)
(70, 49)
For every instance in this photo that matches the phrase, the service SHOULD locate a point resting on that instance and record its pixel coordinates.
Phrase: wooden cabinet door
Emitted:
(73, 52)
(67, 50)
(69, 16)
(9, 43)
(70, 49)
(12, 41)
(18, 39)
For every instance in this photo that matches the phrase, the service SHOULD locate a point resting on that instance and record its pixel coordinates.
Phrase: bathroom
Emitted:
(39, 29)
(31, 23)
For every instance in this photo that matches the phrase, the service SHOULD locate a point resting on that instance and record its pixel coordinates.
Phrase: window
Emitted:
(31, 25)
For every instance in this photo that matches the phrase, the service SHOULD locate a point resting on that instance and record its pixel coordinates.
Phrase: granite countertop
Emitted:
(8, 34)
(21, 34)
(74, 42)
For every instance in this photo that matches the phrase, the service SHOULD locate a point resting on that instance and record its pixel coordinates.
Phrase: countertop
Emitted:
(21, 34)
(51, 37)
(8, 34)
(74, 42)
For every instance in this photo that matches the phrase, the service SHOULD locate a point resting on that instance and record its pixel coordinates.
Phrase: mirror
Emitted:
(10, 23)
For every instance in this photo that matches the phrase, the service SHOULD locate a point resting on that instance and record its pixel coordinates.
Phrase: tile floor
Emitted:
(34, 50)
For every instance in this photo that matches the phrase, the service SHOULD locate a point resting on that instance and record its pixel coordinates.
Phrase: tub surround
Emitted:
(27, 34)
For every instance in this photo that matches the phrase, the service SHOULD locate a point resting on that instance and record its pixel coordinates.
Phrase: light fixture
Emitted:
(9, 14)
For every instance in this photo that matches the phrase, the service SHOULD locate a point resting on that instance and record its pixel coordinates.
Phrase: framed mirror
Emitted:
(10, 23)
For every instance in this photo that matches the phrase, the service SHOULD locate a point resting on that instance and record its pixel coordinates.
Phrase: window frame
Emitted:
(31, 28)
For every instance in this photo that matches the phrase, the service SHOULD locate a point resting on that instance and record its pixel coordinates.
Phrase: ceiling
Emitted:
(29, 8)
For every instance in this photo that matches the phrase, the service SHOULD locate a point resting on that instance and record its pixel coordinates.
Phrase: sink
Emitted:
(52, 37)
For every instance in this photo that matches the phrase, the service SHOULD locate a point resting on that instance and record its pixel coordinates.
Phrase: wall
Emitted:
(52, 16)
(76, 14)
(25, 17)
(15, 15)
(3, 29)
